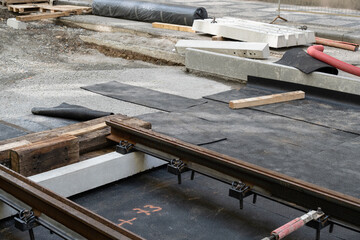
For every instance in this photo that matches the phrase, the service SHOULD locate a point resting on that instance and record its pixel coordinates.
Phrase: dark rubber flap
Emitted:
(69, 111)
(299, 59)
(149, 12)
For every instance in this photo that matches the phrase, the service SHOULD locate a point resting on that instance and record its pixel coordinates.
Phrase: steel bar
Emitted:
(62, 210)
(338, 206)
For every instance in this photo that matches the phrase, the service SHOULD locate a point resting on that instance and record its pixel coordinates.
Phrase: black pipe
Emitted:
(148, 11)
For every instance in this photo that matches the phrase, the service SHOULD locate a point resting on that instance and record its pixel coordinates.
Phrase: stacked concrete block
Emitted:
(240, 49)
(250, 31)
(240, 68)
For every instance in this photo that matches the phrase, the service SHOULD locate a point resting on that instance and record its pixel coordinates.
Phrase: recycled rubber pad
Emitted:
(312, 109)
(7, 132)
(184, 127)
(299, 59)
(143, 96)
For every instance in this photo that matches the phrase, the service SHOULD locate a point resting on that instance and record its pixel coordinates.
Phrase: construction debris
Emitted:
(264, 100)
(240, 49)
(251, 31)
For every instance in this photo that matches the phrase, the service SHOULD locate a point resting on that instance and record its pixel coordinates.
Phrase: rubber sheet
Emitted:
(69, 111)
(149, 11)
(299, 59)
(143, 96)
(38, 123)
(184, 127)
(285, 145)
(312, 109)
(7, 131)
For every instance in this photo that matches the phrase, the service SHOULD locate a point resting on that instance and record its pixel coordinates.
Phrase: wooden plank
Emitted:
(91, 135)
(24, 8)
(173, 27)
(268, 99)
(82, 131)
(7, 2)
(93, 138)
(42, 16)
(38, 136)
(45, 155)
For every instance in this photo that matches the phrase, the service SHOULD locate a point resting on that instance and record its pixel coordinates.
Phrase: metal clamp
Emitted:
(124, 147)
(240, 190)
(320, 223)
(26, 221)
(176, 167)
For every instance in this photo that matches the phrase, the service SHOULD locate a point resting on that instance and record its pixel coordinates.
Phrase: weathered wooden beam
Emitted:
(268, 99)
(91, 136)
(7, 145)
(45, 155)
(35, 17)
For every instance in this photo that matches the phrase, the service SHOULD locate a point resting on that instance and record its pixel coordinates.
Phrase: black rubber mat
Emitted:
(154, 206)
(285, 145)
(7, 131)
(37, 123)
(311, 109)
(69, 111)
(299, 59)
(184, 127)
(143, 96)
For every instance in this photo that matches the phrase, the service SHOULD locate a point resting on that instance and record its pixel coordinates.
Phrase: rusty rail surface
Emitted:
(338, 206)
(62, 210)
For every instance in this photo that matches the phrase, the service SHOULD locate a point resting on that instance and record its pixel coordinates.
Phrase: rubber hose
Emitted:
(316, 51)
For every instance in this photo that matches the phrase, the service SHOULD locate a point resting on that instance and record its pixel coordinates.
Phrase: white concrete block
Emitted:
(240, 68)
(244, 30)
(240, 49)
(86, 175)
(12, 22)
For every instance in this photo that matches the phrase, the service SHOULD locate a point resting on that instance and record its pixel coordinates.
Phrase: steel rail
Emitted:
(62, 210)
(338, 206)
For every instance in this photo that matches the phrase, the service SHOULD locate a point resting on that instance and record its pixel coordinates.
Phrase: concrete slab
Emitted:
(240, 49)
(251, 31)
(240, 68)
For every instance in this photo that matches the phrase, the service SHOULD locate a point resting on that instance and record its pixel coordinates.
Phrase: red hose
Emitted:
(316, 51)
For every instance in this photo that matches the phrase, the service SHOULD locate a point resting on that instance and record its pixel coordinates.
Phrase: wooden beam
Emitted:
(45, 155)
(173, 27)
(35, 17)
(91, 136)
(268, 99)
(88, 129)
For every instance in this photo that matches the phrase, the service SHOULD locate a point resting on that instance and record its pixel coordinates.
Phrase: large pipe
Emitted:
(316, 51)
